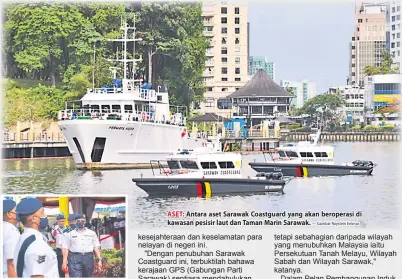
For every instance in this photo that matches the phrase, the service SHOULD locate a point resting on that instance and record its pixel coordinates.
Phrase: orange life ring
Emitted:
(144, 115)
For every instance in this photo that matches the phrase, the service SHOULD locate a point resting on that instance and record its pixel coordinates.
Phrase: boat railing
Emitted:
(140, 116)
(146, 94)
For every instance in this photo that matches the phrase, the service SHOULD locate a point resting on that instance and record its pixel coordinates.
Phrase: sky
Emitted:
(305, 40)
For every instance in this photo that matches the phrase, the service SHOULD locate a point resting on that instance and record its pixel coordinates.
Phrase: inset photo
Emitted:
(64, 236)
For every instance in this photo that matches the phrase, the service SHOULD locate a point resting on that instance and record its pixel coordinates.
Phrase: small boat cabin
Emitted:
(205, 164)
(306, 152)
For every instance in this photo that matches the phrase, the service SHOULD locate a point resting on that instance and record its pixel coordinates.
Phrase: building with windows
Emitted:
(260, 99)
(394, 31)
(354, 97)
(226, 68)
(368, 40)
(382, 91)
(302, 91)
(261, 62)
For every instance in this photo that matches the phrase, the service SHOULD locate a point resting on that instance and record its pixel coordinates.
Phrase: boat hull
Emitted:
(117, 144)
(309, 170)
(197, 187)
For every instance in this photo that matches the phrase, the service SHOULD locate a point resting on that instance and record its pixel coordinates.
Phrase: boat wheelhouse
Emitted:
(206, 171)
(127, 124)
(306, 153)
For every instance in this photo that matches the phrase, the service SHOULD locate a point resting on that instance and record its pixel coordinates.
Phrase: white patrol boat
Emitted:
(305, 159)
(124, 125)
(207, 171)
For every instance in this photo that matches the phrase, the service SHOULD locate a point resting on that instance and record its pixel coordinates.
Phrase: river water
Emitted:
(377, 196)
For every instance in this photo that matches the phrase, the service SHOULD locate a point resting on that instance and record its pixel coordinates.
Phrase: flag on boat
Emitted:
(184, 132)
(226, 146)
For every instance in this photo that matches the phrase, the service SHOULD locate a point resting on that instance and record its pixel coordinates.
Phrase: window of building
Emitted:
(224, 89)
(224, 79)
(353, 38)
(398, 35)
(224, 41)
(237, 11)
(393, 9)
(237, 30)
(353, 65)
(224, 30)
(398, 17)
(237, 41)
(360, 20)
(237, 60)
(393, 18)
(237, 79)
(224, 20)
(237, 49)
(224, 71)
(224, 103)
(209, 89)
(353, 56)
(224, 10)
(237, 71)
(224, 60)
(210, 102)
(237, 20)
(224, 50)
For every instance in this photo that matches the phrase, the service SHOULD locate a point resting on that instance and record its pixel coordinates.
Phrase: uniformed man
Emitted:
(71, 222)
(69, 228)
(33, 257)
(79, 247)
(10, 238)
(58, 234)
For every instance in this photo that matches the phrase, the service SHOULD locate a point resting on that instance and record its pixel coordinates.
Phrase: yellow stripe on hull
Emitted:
(305, 172)
(207, 190)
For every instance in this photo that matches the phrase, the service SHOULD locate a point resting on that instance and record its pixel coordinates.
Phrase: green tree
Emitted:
(323, 106)
(385, 68)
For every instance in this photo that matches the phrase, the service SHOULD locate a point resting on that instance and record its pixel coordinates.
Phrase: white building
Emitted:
(303, 91)
(355, 101)
(226, 29)
(394, 31)
(368, 40)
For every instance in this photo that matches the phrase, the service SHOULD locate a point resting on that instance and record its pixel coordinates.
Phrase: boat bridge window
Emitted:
(173, 165)
(282, 154)
(226, 165)
(128, 108)
(208, 165)
(306, 154)
(292, 154)
(320, 154)
(95, 108)
(116, 108)
(191, 165)
(105, 109)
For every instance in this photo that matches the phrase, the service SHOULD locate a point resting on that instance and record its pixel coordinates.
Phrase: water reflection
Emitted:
(377, 195)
